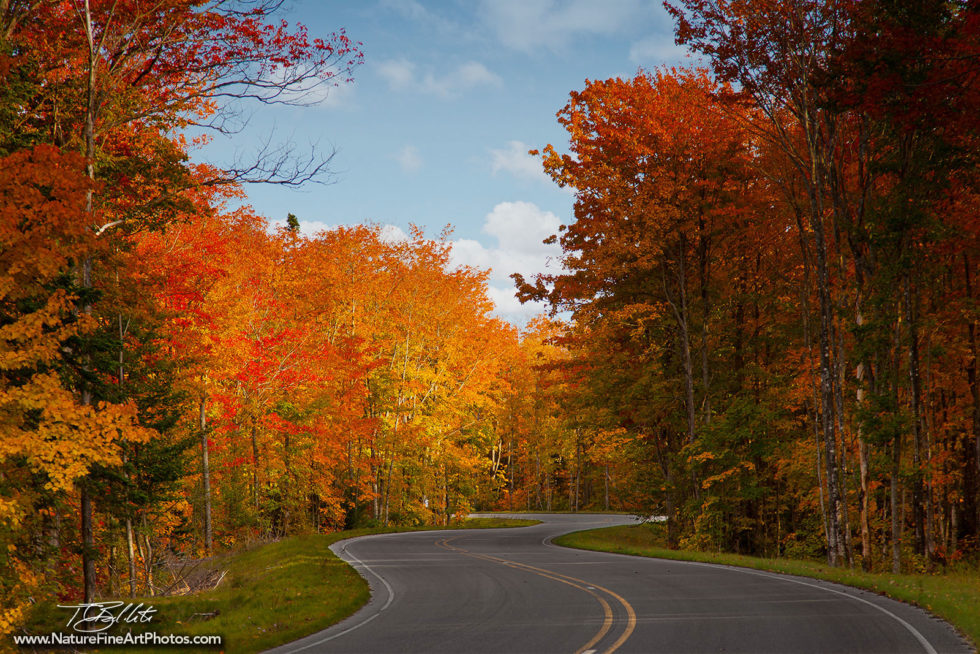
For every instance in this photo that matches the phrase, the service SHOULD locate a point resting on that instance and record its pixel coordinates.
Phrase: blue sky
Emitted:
(436, 127)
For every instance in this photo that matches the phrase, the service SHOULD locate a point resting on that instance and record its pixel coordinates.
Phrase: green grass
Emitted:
(272, 594)
(491, 523)
(560, 511)
(954, 596)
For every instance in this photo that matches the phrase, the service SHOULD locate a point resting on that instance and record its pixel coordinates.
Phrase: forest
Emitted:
(765, 329)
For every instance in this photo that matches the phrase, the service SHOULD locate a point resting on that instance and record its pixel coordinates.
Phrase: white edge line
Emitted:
(341, 553)
(915, 632)
(391, 597)
(926, 645)
(547, 541)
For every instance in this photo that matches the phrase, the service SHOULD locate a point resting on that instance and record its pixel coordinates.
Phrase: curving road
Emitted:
(511, 591)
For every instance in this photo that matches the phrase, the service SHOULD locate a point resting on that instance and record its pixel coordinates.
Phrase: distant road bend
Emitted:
(511, 591)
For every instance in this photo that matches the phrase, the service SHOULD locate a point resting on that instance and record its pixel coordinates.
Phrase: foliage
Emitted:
(771, 278)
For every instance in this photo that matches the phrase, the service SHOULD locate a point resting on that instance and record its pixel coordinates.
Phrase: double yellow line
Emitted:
(581, 584)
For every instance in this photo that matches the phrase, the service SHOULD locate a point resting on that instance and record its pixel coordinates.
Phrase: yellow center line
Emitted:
(607, 610)
(571, 581)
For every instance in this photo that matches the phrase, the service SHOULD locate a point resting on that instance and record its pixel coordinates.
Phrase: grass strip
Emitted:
(272, 594)
(494, 523)
(953, 596)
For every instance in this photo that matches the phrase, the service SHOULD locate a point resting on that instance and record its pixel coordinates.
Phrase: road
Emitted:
(511, 591)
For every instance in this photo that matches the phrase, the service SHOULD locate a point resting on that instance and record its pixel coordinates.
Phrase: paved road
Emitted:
(510, 591)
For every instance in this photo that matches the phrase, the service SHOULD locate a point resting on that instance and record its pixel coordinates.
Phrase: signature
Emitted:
(99, 616)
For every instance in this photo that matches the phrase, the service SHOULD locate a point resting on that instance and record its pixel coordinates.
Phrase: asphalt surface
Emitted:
(511, 591)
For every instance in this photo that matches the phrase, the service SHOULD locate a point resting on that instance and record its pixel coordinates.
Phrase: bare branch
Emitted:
(114, 223)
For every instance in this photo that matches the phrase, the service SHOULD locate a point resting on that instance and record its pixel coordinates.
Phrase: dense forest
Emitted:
(765, 329)
(772, 278)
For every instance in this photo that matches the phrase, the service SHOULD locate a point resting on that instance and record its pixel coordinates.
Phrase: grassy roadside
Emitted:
(556, 512)
(272, 594)
(954, 596)
(493, 523)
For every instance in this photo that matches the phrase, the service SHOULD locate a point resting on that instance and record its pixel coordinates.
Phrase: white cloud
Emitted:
(401, 76)
(526, 25)
(518, 228)
(338, 97)
(393, 234)
(515, 160)
(467, 252)
(508, 307)
(464, 77)
(310, 228)
(408, 158)
(408, 9)
(468, 75)
(415, 11)
(656, 50)
(399, 73)
(313, 91)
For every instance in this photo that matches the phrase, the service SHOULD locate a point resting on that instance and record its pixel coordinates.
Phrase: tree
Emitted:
(777, 54)
(663, 176)
(51, 440)
(119, 79)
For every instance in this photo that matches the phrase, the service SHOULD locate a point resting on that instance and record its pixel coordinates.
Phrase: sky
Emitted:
(435, 129)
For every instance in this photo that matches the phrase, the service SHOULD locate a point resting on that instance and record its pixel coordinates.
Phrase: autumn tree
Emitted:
(844, 89)
(663, 187)
(117, 81)
(51, 439)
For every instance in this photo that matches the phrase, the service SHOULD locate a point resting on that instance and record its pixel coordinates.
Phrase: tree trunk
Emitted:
(445, 488)
(680, 309)
(255, 469)
(88, 545)
(969, 523)
(148, 559)
(88, 536)
(537, 480)
(895, 511)
(836, 552)
(672, 527)
(820, 492)
(605, 477)
(845, 525)
(704, 246)
(510, 474)
(206, 479)
(911, 319)
(285, 484)
(863, 498)
(896, 506)
(113, 575)
(547, 487)
(387, 490)
(953, 527)
(682, 323)
(131, 555)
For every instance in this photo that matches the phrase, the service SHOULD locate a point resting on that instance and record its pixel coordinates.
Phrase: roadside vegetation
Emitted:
(953, 595)
(270, 595)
